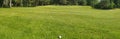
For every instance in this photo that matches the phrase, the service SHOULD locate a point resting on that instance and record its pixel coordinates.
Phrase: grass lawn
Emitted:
(48, 22)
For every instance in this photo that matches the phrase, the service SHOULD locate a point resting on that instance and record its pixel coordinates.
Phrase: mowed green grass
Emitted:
(49, 22)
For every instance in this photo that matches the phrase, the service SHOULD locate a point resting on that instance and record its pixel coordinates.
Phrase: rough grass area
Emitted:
(48, 22)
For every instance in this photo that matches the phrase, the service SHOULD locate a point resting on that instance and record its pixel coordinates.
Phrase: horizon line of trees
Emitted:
(100, 4)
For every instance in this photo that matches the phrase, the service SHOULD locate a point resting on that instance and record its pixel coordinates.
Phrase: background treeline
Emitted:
(101, 4)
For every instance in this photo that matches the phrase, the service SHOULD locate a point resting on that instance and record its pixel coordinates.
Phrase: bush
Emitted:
(105, 5)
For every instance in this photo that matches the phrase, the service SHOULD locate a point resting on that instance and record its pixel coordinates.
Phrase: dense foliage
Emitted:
(103, 4)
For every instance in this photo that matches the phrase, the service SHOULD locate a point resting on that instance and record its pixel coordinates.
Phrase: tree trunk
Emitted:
(10, 3)
(21, 4)
(7, 3)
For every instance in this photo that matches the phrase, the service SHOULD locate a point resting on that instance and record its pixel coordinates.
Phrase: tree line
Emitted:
(100, 4)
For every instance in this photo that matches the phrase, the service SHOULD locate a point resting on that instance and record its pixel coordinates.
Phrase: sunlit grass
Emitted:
(48, 22)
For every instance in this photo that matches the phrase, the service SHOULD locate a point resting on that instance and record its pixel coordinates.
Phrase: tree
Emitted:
(102, 4)
(92, 2)
(7, 3)
(21, 2)
(1, 3)
(29, 3)
(63, 2)
(105, 4)
(10, 3)
(54, 2)
(72, 2)
(17, 3)
(82, 2)
(117, 3)
(44, 2)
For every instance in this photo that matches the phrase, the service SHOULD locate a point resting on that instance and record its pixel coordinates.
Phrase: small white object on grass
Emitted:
(60, 37)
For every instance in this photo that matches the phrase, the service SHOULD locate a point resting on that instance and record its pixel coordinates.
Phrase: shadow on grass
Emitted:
(103, 8)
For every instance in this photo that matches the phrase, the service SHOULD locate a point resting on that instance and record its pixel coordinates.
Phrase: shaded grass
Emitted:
(48, 22)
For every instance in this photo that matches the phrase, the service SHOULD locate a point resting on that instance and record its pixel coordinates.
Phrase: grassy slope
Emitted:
(48, 22)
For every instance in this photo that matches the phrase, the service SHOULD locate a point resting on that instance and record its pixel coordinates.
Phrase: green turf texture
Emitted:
(48, 22)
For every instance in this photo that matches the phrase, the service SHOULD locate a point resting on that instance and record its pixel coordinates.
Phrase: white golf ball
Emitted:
(60, 37)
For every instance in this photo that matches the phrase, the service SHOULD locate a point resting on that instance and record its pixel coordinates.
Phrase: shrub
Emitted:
(107, 4)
